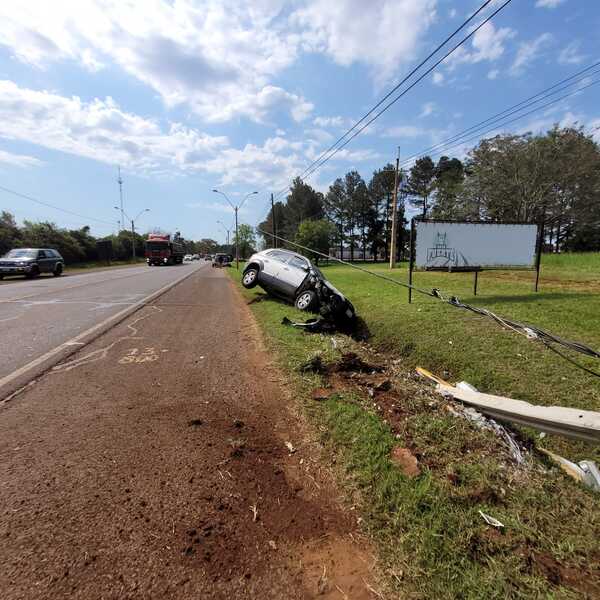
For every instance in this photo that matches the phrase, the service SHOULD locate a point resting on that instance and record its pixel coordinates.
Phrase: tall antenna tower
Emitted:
(120, 182)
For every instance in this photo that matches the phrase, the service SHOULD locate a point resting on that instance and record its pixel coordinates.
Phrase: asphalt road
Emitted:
(39, 315)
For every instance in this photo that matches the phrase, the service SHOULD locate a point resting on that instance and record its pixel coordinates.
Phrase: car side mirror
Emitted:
(305, 269)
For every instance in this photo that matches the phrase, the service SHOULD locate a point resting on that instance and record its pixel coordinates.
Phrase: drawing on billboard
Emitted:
(448, 245)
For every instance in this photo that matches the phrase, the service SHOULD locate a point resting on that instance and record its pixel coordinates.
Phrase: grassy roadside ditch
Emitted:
(433, 542)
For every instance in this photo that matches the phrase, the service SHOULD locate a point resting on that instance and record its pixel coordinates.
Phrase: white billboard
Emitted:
(448, 245)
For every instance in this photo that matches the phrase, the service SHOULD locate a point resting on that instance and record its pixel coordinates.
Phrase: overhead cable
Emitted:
(64, 210)
(531, 332)
(318, 163)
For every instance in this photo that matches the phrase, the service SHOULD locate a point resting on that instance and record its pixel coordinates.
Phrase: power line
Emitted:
(495, 127)
(64, 210)
(514, 109)
(318, 163)
(532, 332)
(395, 88)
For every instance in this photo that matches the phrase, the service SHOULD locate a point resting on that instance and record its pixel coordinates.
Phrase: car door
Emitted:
(292, 274)
(273, 263)
(43, 261)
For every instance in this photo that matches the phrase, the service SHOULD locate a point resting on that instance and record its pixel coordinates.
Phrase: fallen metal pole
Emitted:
(568, 422)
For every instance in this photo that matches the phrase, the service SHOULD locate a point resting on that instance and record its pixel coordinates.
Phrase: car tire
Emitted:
(58, 270)
(250, 278)
(306, 300)
(1, 277)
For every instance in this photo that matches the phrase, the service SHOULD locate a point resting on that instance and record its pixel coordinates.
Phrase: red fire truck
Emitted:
(162, 250)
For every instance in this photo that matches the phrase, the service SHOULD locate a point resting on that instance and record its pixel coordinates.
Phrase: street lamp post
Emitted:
(235, 210)
(133, 228)
(225, 229)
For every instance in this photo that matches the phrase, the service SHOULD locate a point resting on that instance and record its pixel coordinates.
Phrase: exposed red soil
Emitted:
(157, 467)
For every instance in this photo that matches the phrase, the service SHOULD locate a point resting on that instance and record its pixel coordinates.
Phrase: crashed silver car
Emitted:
(294, 278)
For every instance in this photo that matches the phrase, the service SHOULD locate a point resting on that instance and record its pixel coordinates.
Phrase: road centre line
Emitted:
(75, 343)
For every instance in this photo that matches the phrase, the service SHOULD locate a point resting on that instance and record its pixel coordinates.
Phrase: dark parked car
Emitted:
(30, 262)
(294, 278)
(222, 260)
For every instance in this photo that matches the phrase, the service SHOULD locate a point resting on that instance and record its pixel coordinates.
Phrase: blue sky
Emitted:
(189, 95)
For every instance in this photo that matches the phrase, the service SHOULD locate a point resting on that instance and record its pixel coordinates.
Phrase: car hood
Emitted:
(18, 260)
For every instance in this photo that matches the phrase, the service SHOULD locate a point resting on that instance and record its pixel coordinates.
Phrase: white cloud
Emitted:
(99, 130)
(487, 44)
(493, 74)
(528, 52)
(548, 3)
(384, 36)
(336, 121)
(428, 109)
(19, 160)
(438, 78)
(570, 54)
(218, 56)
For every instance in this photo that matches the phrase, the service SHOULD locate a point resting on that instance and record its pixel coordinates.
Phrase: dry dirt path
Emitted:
(152, 464)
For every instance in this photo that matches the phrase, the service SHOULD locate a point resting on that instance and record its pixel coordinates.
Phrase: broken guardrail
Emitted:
(569, 422)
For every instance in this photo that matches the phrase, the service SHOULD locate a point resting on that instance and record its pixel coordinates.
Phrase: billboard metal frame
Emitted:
(474, 269)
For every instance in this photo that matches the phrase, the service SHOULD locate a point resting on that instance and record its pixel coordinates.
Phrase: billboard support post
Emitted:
(411, 258)
(538, 256)
(475, 282)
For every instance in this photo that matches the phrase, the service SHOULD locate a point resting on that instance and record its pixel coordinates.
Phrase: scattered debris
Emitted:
(314, 365)
(290, 447)
(320, 394)
(491, 521)
(585, 472)
(351, 362)
(272, 545)
(238, 423)
(195, 422)
(254, 509)
(406, 461)
(570, 422)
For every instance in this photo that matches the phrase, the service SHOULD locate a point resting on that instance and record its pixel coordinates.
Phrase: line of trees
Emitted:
(79, 245)
(552, 178)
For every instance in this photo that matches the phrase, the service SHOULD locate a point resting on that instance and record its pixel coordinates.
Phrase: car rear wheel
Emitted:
(250, 278)
(58, 270)
(307, 300)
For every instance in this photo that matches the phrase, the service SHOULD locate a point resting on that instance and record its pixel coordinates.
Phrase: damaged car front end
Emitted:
(294, 278)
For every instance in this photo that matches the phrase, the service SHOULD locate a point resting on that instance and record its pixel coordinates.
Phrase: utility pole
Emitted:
(273, 222)
(120, 182)
(394, 215)
(235, 209)
(133, 239)
(237, 242)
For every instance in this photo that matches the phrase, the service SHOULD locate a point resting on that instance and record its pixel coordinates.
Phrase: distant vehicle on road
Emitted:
(188, 258)
(208, 257)
(31, 262)
(162, 250)
(195, 257)
(222, 260)
(294, 278)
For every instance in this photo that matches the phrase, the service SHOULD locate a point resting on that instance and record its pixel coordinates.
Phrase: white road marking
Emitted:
(106, 323)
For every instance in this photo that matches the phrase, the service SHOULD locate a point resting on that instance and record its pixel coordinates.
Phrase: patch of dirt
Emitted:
(406, 461)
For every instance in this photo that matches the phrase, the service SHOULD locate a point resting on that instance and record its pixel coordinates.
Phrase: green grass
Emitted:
(428, 529)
